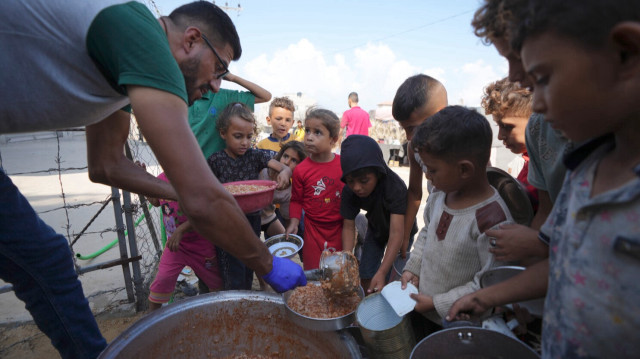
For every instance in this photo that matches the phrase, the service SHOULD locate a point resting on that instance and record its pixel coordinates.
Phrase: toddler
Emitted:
(185, 247)
(317, 188)
(452, 250)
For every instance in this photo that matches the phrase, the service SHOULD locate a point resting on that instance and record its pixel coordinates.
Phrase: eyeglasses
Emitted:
(224, 65)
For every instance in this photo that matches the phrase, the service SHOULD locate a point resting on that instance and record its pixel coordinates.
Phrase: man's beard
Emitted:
(189, 70)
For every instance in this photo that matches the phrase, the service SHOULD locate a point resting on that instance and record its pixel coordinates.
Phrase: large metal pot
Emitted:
(471, 342)
(225, 324)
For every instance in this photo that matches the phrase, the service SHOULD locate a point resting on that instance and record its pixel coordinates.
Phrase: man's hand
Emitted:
(285, 275)
(515, 242)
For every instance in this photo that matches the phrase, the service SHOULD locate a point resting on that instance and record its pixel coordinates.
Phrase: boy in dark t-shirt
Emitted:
(374, 187)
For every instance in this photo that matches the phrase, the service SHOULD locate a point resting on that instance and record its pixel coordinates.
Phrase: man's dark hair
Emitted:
(354, 97)
(587, 21)
(414, 93)
(211, 20)
(455, 133)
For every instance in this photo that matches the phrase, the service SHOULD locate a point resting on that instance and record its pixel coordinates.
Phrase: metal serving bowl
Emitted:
(320, 324)
(226, 324)
(281, 246)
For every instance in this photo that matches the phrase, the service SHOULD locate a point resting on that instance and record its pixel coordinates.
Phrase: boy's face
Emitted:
(290, 158)
(363, 185)
(416, 118)
(516, 69)
(444, 175)
(511, 131)
(281, 121)
(574, 87)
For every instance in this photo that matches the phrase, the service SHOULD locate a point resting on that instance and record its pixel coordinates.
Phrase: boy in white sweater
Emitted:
(452, 250)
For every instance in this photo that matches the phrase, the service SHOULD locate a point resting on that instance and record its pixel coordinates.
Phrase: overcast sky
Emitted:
(326, 49)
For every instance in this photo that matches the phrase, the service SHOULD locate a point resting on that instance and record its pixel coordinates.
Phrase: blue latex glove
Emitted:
(285, 275)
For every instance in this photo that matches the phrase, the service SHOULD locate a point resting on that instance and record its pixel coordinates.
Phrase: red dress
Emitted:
(317, 189)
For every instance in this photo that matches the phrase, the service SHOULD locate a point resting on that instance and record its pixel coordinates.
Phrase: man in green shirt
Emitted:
(90, 60)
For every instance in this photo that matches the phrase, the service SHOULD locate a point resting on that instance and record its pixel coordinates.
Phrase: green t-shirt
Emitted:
(203, 115)
(131, 48)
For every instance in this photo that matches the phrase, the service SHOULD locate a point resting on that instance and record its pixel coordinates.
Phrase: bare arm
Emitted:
(211, 210)
(414, 197)
(348, 235)
(396, 235)
(260, 93)
(284, 173)
(108, 165)
(544, 208)
(530, 284)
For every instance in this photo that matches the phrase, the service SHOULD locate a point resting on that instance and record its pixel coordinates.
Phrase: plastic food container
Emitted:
(281, 246)
(254, 201)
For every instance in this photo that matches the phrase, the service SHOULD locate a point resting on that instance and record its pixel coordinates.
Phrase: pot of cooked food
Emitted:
(231, 324)
(315, 308)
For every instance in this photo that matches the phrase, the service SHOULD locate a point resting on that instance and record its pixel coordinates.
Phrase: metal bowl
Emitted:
(281, 246)
(320, 324)
(227, 324)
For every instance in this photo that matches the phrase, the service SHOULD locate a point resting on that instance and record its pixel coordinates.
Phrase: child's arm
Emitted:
(295, 204)
(396, 235)
(348, 235)
(260, 93)
(414, 197)
(284, 173)
(173, 243)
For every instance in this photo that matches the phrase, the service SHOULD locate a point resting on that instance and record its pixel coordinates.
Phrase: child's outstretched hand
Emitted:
(424, 303)
(377, 282)
(284, 178)
(292, 227)
(408, 277)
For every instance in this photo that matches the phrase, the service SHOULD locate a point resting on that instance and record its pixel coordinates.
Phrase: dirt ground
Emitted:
(26, 341)
(23, 340)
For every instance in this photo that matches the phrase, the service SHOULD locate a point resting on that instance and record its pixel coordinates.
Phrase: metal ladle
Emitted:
(338, 271)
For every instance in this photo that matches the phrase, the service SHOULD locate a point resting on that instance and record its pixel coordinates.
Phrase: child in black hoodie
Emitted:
(374, 187)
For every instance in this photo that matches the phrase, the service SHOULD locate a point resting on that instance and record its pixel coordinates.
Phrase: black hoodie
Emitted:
(389, 196)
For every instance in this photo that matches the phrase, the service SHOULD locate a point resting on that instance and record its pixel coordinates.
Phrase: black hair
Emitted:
(354, 97)
(235, 109)
(361, 172)
(328, 119)
(455, 133)
(587, 21)
(210, 19)
(414, 93)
